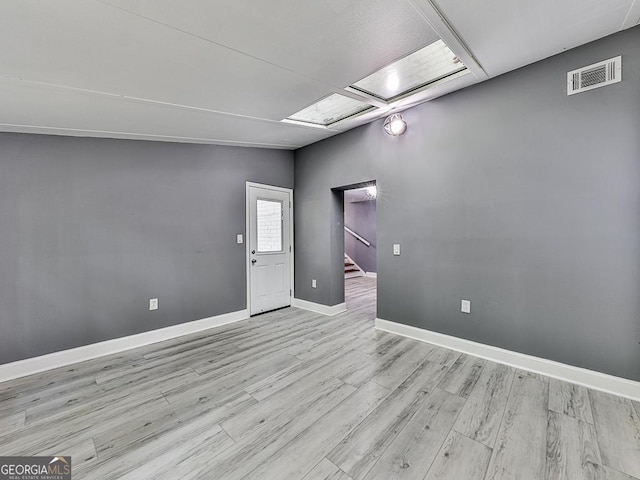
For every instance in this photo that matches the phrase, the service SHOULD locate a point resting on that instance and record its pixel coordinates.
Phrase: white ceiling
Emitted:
(228, 71)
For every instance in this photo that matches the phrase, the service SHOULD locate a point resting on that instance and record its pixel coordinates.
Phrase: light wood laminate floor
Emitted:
(295, 395)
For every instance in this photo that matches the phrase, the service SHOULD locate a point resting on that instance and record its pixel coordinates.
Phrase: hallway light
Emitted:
(395, 125)
(372, 191)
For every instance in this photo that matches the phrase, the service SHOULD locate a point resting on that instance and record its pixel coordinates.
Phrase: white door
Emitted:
(269, 248)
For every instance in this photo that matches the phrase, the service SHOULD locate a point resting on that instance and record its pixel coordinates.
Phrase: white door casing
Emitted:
(269, 248)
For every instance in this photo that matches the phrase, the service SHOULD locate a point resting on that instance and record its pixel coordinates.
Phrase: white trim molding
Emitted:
(580, 376)
(371, 274)
(30, 366)
(319, 308)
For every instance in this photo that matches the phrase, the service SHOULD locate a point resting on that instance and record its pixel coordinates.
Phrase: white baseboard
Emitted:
(581, 376)
(29, 366)
(319, 308)
(371, 274)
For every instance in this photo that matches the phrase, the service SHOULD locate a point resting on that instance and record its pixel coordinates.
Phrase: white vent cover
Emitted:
(594, 76)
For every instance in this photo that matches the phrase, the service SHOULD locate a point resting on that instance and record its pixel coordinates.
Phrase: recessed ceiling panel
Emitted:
(332, 41)
(422, 67)
(508, 34)
(330, 110)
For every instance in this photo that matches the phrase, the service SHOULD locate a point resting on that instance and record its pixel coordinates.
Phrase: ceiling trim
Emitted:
(79, 132)
(633, 16)
(439, 23)
(150, 101)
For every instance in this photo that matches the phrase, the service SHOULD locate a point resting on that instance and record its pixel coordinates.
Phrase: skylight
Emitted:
(330, 110)
(425, 66)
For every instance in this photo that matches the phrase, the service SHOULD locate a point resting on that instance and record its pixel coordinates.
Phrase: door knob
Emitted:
(253, 252)
(253, 261)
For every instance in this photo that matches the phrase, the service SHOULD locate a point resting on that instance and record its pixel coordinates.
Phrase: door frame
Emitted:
(289, 191)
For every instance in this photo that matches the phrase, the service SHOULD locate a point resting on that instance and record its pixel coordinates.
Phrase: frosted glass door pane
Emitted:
(269, 228)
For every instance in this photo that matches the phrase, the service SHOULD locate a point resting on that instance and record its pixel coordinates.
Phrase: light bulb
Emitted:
(395, 125)
(393, 82)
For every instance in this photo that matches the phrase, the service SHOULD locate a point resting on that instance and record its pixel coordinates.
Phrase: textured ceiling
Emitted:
(228, 71)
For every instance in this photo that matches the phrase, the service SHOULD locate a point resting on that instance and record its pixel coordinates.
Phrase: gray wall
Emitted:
(509, 194)
(90, 229)
(361, 218)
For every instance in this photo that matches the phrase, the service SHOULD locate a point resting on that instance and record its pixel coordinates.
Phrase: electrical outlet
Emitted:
(153, 304)
(465, 306)
(313, 283)
(239, 238)
(396, 249)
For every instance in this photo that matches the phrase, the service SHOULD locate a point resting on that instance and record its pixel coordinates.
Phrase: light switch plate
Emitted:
(465, 306)
(396, 249)
(313, 283)
(239, 238)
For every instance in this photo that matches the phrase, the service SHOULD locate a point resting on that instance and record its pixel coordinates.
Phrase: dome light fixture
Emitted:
(395, 125)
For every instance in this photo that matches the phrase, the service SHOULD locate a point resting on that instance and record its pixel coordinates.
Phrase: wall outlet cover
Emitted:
(313, 283)
(239, 238)
(153, 304)
(396, 249)
(465, 306)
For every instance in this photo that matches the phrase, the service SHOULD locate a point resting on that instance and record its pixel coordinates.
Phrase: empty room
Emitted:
(320, 239)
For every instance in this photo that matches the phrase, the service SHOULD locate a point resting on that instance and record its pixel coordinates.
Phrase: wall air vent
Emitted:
(594, 76)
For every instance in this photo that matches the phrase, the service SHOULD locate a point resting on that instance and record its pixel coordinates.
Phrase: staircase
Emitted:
(351, 269)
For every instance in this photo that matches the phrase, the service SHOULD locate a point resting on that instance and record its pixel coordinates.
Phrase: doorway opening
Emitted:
(360, 246)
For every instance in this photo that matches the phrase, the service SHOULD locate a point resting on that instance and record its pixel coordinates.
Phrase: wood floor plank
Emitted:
(572, 449)
(103, 395)
(13, 422)
(618, 432)
(237, 462)
(390, 366)
(325, 470)
(482, 413)
(381, 343)
(51, 379)
(463, 375)
(397, 368)
(297, 458)
(534, 375)
(81, 424)
(83, 454)
(232, 380)
(611, 474)
(362, 448)
(333, 366)
(161, 453)
(570, 399)
(114, 442)
(460, 458)
(520, 449)
(272, 414)
(413, 450)
(444, 356)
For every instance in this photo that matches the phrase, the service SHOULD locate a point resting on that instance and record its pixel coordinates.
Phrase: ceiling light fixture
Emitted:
(395, 125)
(393, 81)
(372, 191)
